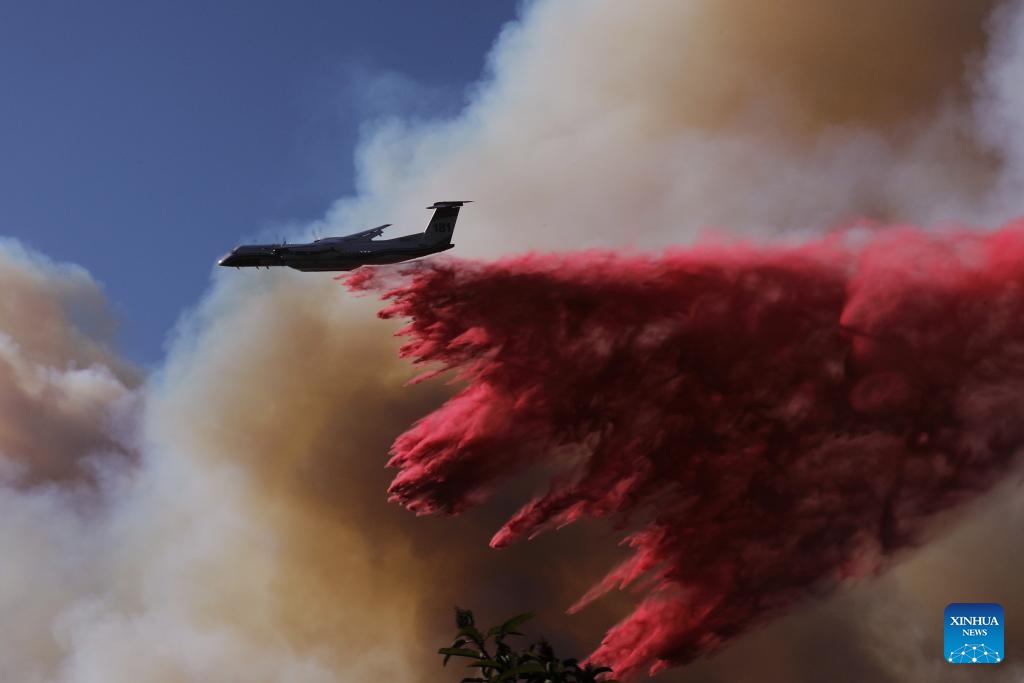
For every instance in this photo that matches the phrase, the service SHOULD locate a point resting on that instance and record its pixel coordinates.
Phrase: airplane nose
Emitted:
(226, 260)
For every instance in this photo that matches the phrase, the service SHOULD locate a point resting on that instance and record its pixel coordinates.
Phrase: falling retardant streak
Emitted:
(769, 421)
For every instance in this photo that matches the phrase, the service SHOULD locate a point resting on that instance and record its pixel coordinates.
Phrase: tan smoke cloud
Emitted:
(605, 124)
(253, 541)
(361, 585)
(61, 390)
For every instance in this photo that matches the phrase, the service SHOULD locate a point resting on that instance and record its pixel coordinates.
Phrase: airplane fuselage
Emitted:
(352, 251)
(327, 255)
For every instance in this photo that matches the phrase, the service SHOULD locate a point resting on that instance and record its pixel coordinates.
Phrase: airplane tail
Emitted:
(442, 223)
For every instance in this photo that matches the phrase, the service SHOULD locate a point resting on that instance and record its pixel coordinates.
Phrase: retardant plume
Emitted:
(778, 420)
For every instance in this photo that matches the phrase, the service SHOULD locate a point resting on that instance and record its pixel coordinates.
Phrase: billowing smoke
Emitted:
(62, 392)
(239, 530)
(793, 417)
(253, 539)
(608, 125)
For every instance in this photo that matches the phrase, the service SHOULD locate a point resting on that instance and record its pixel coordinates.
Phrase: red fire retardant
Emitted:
(773, 420)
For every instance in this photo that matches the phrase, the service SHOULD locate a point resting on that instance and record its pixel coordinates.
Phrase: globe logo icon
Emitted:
(974, 654)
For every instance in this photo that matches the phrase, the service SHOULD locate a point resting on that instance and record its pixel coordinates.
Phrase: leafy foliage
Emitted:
(498, 661)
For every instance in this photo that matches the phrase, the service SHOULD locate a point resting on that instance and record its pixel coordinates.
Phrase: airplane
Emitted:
(351, 251)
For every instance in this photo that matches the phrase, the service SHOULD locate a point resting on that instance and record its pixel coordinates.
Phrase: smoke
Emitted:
(66, 404)
(62, 393)
(252, 540)
(227, 519)
(604, 125)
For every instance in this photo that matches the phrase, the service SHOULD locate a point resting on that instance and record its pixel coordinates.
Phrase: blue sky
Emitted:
(143, 139)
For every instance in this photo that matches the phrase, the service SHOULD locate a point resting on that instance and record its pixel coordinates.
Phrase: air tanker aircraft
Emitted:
(351, 251)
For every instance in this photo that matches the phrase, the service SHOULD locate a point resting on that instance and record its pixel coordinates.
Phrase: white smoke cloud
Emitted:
(1001, 104)
(604, 125)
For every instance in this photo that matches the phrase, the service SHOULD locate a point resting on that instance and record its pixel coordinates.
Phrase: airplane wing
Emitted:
(366, 234)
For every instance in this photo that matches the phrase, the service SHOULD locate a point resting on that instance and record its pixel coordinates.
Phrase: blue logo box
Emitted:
(974, 633)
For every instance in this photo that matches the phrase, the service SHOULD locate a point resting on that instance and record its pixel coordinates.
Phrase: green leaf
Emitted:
(449, 652)
(470, 632)
(494, 664)
(515, 621)
(459, 652)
